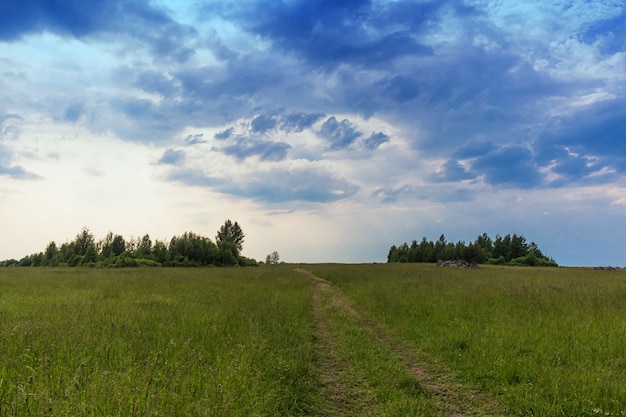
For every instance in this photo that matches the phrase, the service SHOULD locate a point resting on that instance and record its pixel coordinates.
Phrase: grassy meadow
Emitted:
(154, 342)
(379, 340)
(542, 341)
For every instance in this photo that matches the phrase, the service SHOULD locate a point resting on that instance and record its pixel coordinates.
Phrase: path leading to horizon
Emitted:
(345, 390)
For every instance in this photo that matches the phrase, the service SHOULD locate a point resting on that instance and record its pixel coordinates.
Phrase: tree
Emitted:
(272, 258)
(51, 251)
(507, 249)
(84, 242)
(485, 243)
(427, 251)
(159, 251)
(144, 247)
(118, 246)
(193, 250)
(393, 256)
(106, 246)
(440, 245)
(518, 247)
(230, 237)
(501, 247)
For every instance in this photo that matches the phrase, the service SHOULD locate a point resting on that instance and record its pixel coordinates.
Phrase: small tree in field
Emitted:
(272, 258)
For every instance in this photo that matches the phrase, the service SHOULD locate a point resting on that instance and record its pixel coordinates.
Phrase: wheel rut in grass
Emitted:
(342, 396)
(451, 397)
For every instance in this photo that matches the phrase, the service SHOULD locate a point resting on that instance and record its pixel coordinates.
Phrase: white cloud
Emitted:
(482, 113)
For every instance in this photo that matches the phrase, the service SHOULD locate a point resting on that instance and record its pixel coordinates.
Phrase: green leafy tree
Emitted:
(118, 245)
(392, 256)
(144, 247)
(230, 237)
(485, 244)
(504, 250)
(193, 250)
(38, 258)
(427, 251)
(440, 246)
(50, 253)
(90, 256)
(159, 252)
(83, 242)
(501, 247)
(106, 246)
(518, 246)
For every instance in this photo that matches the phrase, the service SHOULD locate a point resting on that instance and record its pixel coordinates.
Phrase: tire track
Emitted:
(452, 398)
(341, 398)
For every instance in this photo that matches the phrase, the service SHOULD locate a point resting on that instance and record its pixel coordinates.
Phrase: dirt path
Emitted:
(453, 398)
(343, 397)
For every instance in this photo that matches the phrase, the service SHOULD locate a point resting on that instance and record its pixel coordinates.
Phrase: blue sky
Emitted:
(329, 130)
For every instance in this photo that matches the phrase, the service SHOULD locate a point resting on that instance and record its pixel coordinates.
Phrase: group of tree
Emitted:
(272, 259)
(188, 249)
(503, 250)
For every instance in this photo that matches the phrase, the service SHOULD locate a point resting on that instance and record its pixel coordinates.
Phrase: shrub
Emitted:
(497, 261)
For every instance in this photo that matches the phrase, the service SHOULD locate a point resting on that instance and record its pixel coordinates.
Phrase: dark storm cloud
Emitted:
(339, 134)
(238, 81)
(596, 131)
(82, 19)
(76, 18)
(491, 95)
(472, 90)
(210, 96)
(400, 88)
(511, 166)
(331, 32)
(573, 167)
(274, 186)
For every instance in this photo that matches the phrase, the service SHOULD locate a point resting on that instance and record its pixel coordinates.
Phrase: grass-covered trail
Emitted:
(364, 371)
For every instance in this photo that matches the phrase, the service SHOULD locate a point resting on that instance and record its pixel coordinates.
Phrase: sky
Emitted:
(329, 130)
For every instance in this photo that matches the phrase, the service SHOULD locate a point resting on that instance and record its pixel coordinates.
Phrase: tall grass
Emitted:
(155, 342)
(375, 380)
(242, 342)
(546, 342)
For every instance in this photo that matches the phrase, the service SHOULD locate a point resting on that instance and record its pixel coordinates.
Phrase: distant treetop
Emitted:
(189, 249)
(503, 250)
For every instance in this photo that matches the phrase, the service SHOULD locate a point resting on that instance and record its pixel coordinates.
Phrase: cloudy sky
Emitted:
(328, 129)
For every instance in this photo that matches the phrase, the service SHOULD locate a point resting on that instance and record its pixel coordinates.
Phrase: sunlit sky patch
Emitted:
(329, 130)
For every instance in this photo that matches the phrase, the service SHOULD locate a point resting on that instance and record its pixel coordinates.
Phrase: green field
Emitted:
(313, 340)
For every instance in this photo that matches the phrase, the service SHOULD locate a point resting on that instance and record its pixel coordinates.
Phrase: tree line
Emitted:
(503, 250)
(188, 249)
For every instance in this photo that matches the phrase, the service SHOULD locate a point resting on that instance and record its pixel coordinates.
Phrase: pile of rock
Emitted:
(457, 264)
